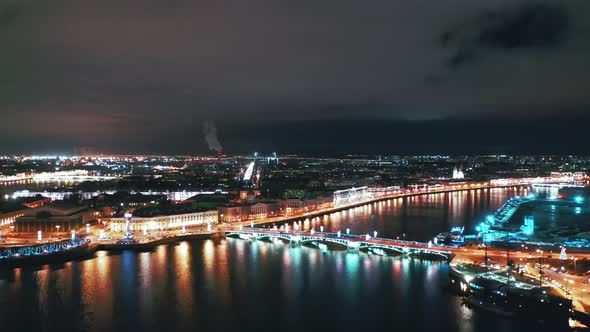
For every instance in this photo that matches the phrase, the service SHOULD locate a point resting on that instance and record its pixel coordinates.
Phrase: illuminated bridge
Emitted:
(354, 243)
(39, 248)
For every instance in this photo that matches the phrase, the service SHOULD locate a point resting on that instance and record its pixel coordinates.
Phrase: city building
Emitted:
(162, 222)
(61, 216)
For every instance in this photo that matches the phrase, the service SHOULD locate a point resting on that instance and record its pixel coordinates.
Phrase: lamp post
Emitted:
(57, 226)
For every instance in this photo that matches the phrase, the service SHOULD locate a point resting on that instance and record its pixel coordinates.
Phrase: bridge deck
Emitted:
(354, 240)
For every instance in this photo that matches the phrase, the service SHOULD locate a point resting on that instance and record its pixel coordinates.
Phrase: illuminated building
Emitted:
(61, 216)
(163, 222)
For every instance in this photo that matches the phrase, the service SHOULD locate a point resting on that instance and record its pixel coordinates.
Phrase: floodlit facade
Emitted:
(163, 222)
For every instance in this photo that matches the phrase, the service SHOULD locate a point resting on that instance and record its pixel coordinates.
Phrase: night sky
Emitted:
(314, 77)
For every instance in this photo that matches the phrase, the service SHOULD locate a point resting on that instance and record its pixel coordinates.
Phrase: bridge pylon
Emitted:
(295, 241)
(352, 246)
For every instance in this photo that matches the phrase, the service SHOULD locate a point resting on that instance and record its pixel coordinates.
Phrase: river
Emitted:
(234, 284)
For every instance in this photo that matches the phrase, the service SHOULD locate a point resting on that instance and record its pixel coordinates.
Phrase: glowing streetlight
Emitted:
(251, 224)
(338, 233)
(374, 233)
(87, 228)
(73, 235)
(347, 231)
(39, 236)
(322, 229)
(241, 226)
(57, 226)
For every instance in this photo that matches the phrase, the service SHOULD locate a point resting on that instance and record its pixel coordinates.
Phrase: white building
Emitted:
(176, 221)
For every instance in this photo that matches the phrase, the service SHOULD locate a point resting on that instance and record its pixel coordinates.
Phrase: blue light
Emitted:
(490, 218)
(478, 228)
(578, 199)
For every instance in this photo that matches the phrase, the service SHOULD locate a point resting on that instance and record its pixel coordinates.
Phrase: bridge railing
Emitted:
(39, 248)
(344, 236)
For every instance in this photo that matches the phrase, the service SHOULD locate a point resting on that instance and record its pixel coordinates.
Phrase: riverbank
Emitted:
(63, 256)
(88, 249)
(149, 245)
(314, 214)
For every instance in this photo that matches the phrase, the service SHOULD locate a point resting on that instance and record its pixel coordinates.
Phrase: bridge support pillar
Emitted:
(352, 246)
(406, 251)
(295, 241)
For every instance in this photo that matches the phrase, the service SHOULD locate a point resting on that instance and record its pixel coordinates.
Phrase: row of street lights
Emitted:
(312, 231)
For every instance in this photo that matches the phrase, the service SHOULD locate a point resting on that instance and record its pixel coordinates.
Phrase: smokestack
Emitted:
(210, 132)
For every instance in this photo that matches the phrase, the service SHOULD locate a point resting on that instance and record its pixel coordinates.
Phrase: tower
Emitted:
(128, 225)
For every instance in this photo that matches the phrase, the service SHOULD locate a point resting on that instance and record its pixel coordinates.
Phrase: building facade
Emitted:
(163, 222)
(54, 218)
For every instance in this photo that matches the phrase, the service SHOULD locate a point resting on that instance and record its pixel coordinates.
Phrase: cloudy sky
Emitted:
(304, 76)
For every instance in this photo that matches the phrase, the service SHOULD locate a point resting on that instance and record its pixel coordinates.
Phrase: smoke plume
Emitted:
(210, 132)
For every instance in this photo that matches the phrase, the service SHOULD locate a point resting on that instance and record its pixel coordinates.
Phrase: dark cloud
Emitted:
(8, 14)
(533, 27)
(135, 75)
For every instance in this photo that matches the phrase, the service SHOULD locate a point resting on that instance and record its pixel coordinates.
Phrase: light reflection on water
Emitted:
(231, 283)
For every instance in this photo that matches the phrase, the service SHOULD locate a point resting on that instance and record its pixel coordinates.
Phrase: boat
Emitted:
(487, 307)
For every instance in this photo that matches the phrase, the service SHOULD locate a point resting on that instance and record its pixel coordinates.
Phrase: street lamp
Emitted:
(348, 231)
(374, 233)
(57, 226)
